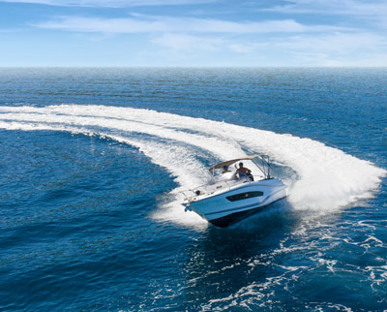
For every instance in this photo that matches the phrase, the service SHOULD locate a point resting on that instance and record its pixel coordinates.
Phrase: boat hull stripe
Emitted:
(245, 207)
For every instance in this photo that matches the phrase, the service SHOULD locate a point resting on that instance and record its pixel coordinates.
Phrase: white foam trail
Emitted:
(160, 154)
(328, 178)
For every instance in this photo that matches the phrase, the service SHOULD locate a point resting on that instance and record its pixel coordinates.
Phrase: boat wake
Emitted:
(326, 178)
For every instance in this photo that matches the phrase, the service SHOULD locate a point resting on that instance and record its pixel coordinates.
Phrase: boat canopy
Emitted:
(232, 161)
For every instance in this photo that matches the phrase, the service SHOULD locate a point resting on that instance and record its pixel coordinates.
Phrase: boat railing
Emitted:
(209, 189)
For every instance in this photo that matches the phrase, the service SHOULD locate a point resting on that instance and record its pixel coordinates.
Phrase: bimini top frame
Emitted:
(262, 161)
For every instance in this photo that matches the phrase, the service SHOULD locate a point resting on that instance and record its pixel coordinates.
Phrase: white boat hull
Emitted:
(227, 207)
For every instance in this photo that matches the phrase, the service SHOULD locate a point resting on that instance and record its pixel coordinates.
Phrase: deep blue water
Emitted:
(85, 216)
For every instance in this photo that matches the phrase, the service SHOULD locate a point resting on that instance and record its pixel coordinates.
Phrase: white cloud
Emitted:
(338, 49)
(242, 47)
(372, 9)
(337, 43)
(105, 25)
(188, 43)
(282, 41)
(109, 3)
(335, 49)
(149, 24)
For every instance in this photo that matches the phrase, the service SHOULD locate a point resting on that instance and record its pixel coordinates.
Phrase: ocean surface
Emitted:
(92, 163)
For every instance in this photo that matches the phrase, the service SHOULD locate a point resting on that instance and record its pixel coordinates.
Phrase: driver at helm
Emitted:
(244, 172)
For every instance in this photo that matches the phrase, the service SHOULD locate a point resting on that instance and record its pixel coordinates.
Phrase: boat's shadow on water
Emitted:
(226, 260)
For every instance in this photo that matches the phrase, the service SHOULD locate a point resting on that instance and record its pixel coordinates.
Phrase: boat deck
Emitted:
(218, 187)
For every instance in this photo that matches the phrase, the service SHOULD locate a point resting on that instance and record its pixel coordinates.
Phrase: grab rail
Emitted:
(209, 189)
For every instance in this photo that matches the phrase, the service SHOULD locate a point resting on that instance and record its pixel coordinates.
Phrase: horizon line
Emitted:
(182, 67)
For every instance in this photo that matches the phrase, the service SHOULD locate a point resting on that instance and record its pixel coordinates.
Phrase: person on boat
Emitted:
(244, 172)
(226, 169)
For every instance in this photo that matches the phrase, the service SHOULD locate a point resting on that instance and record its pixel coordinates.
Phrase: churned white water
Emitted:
(327, 178)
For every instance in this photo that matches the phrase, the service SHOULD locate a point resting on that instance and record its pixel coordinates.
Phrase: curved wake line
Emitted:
(328, 178)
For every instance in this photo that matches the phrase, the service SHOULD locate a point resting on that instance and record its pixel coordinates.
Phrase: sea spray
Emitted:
(328, 178)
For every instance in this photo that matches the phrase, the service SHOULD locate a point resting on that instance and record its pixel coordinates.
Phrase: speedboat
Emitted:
(234, 194)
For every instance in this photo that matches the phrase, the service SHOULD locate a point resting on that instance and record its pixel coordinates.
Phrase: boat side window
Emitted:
(244, 196)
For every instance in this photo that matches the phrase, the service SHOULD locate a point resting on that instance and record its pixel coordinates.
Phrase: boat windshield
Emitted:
(262, 162)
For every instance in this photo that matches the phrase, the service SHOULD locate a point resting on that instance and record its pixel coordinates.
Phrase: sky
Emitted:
(193, 33)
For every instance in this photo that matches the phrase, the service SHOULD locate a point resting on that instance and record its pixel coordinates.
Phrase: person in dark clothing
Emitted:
(244, 172)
